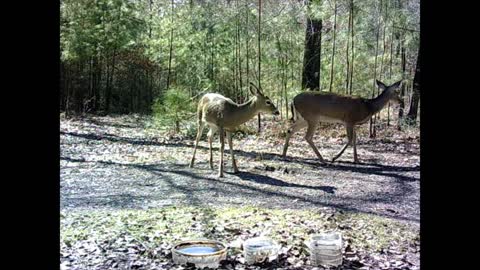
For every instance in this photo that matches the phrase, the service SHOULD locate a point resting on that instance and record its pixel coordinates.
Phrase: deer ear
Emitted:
(254, 89)
(397, 84)
(381, 85)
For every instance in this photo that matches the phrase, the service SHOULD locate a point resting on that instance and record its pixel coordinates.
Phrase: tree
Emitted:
(333, 47)
(412, 113)
(312, 53)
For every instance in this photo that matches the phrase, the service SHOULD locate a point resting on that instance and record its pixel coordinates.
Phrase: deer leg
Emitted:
(210, 134)
(234, 164)
(299, 124)
(355, 158)
(308, 137)
(199, 135)
(350, 139)
(222, 146)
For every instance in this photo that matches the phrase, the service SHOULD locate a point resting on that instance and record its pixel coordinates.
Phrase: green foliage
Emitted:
(209, 46)
(173, 108)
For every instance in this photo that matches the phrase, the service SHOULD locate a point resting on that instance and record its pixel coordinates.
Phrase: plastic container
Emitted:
(325, 249)
(259, 249)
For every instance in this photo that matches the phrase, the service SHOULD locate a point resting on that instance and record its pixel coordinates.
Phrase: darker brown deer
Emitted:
(310, 108)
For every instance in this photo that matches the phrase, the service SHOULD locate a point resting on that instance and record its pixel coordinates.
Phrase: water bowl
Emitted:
(259, 249)
(202, 253)
(325, 249)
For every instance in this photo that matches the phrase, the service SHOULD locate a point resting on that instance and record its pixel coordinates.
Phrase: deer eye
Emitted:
(268, 102)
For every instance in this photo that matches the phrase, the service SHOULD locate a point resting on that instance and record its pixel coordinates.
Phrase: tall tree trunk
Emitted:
(150, 23)
(372, 120)
(238, 45)
(68, 83)
(390, 73)
(311, 56)
(234, 69)
(412, 113)
(239, 58)
(347, 81)
(312, 52)
(285, 81)
(108, 94)
(353, 51)
(382, 66)
(333, 47)
(259, 56)
(171, 52)
(402, 91)
(99, 72)
(246, 44)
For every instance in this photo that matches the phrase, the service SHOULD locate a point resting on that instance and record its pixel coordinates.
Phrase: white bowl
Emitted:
(202, 253)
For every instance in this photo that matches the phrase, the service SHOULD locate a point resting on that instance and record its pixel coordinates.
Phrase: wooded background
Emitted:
(128, 56)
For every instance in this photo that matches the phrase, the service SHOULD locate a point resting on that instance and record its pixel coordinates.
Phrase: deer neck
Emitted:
(246, 111)
(378, 103)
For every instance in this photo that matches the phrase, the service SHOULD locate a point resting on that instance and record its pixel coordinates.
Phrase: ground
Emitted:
(124, 166)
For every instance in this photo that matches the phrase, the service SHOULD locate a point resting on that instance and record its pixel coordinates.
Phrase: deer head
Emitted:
(392, 91)
(263, 102)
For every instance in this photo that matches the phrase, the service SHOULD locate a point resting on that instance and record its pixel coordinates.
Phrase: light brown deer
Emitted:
(310, 108)
(222, 114)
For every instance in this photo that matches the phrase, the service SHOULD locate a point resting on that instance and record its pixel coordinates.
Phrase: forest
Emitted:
(139, 79)
(139, 56)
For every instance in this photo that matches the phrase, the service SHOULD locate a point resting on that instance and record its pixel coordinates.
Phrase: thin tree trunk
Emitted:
(348, 47)
(238, 46)
(234, 68)
(246, 44)
(171, 52)
(402, 91)
(372, 120)
(68, 82)
(150, 23)
(390, 74)
(382, 66)
(108, 97)
(384, 41)
(259, 56)
(353, 51)
(98, 84)
(333, 47)
(285, 81)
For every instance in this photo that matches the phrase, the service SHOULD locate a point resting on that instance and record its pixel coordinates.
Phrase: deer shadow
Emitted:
(264, 179)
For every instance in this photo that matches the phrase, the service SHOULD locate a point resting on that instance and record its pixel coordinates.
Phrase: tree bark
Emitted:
(312, 54)
(108, 94)
(412, 113)
(402, 91)
(347, 81)
(353, 50)
(372, 120)
(259, 56)
(171, 52)
(333, 48)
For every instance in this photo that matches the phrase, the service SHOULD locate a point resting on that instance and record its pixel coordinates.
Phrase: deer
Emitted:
(312, 107)
(223, 115)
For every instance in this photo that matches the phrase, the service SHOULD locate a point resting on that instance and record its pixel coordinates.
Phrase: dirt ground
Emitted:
(121, 162)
